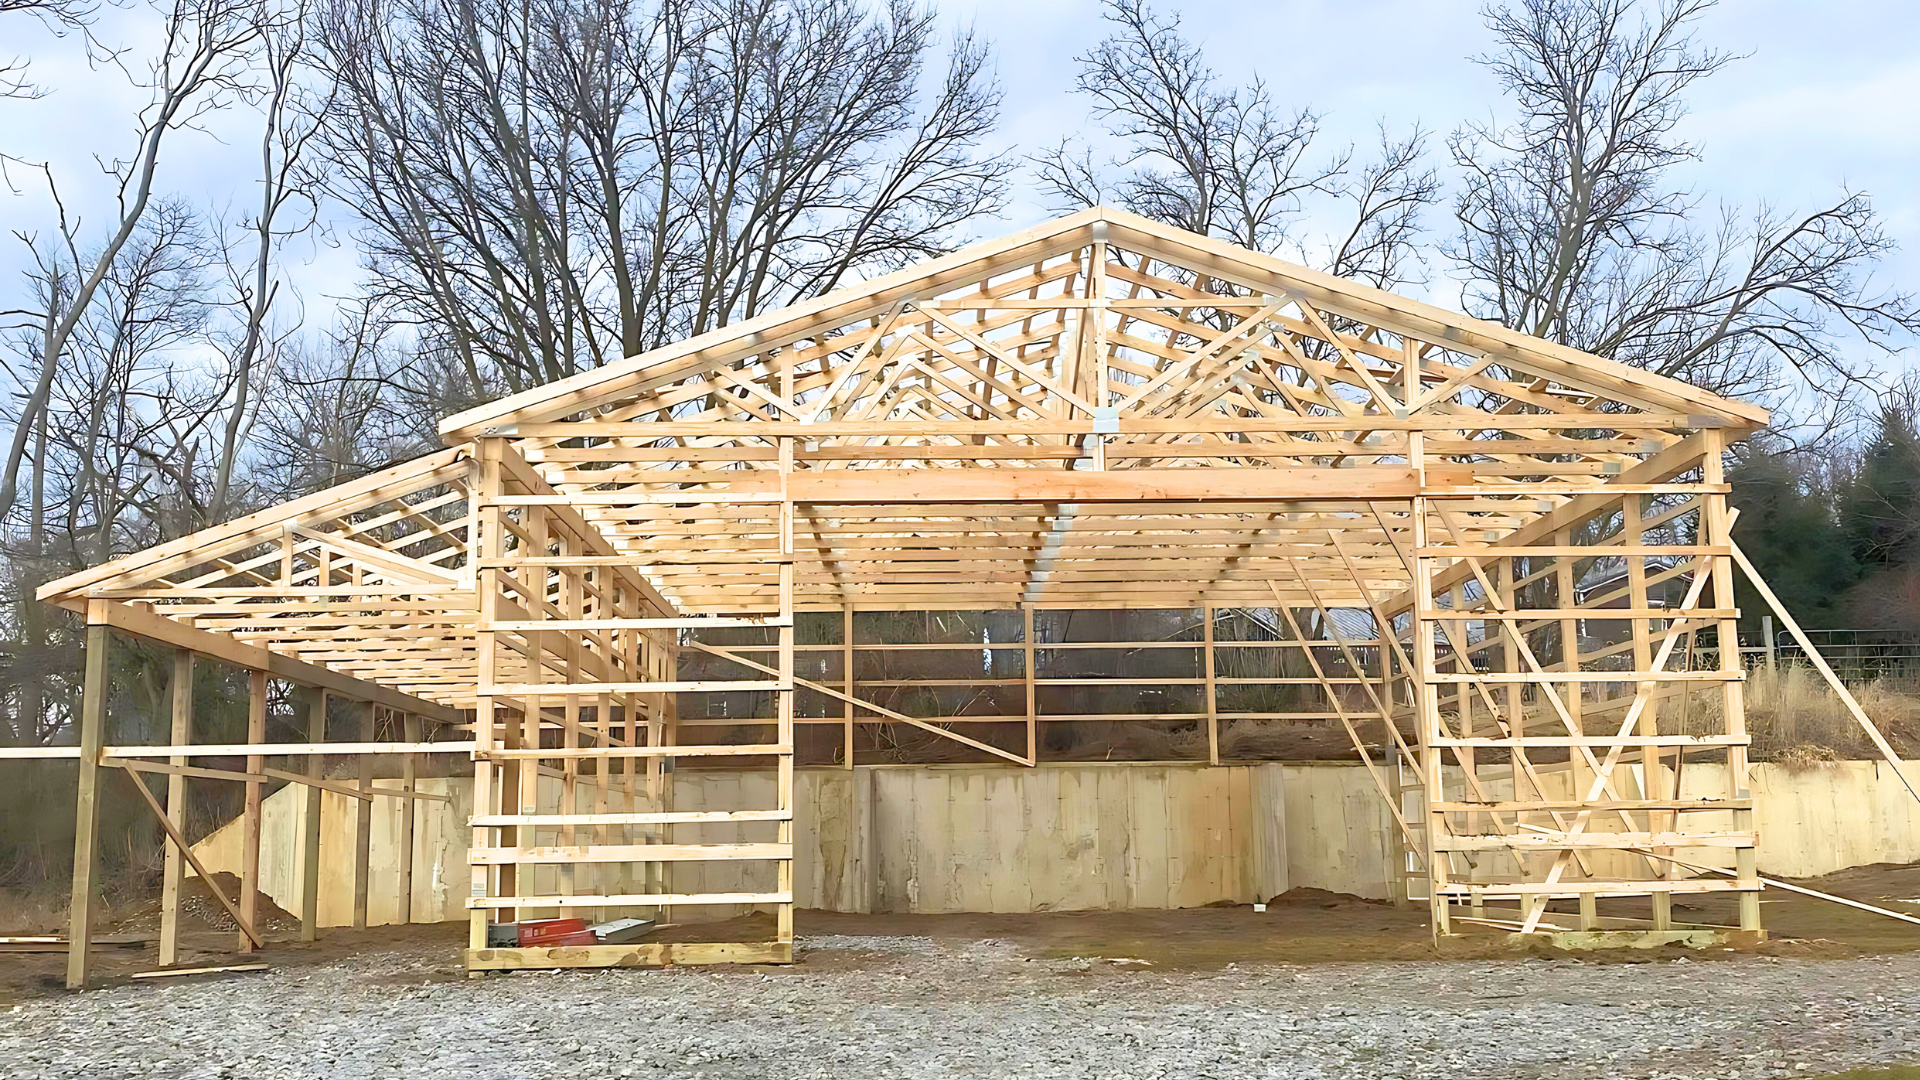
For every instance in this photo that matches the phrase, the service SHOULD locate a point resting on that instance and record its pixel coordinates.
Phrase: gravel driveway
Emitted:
(883, 1007)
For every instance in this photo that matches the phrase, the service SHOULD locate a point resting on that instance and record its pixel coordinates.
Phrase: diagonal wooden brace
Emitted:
(881, 709)
(186, 851)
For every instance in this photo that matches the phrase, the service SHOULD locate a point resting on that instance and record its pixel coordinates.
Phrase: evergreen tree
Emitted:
(1881, 510)
(1788, 528)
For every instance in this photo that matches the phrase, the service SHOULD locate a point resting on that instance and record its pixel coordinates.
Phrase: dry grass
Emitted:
(1794, 716)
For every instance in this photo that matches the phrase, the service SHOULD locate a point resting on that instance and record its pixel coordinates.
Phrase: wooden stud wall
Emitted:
(578, 660)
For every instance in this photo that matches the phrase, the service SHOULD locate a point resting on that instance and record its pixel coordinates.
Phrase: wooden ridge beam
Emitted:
(850, 486)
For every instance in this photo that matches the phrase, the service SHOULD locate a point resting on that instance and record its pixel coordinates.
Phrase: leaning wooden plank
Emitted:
(1774, 883)
(186, 850)
(1839, 688)
(164, 973)
(647, 954)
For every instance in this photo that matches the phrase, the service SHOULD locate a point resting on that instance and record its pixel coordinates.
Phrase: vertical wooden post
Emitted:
(1026, 637)
(1652, 785)
(1455, 636)
(1213, 705)
(486, 544)
(1766, 640)
(1580, 776)
(846, 676)
(1426, 697)
(783, 915)
(310, 823)
(573, 601)
(250, 812)
(606, 875)
(1397, 847)
(363, 824)
(86, 807)
(1397, 843)
(180, 732)
(655, 656)
(527, 878)
(1733, 707)
(410, 727)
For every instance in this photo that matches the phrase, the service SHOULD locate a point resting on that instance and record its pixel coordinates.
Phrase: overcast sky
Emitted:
(1825, 98)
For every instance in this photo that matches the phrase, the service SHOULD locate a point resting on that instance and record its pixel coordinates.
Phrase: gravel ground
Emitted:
(883, 1007)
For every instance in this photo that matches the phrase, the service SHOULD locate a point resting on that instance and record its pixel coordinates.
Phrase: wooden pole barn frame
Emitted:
(1101, 412)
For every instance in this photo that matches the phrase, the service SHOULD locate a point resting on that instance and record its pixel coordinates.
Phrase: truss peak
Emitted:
(1103, 317)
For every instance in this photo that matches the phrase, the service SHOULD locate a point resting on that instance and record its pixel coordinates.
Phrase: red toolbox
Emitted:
(555, 931)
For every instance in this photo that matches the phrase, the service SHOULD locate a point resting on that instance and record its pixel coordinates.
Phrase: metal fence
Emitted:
(1854, 654)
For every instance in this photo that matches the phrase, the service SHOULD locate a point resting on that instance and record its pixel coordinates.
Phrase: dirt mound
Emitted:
(200, 911)
(1306, 896)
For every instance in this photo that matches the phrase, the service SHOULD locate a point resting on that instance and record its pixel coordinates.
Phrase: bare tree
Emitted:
(287, 206)
(1572, 228)
(200, 67)
(549, 185)
(61, 17)
(336, 409)
(1230, 161)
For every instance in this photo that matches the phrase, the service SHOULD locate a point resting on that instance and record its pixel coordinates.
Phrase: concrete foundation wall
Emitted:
(1056, 838)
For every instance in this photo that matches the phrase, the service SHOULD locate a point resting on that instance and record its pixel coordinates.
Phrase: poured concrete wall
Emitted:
(944, 839)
